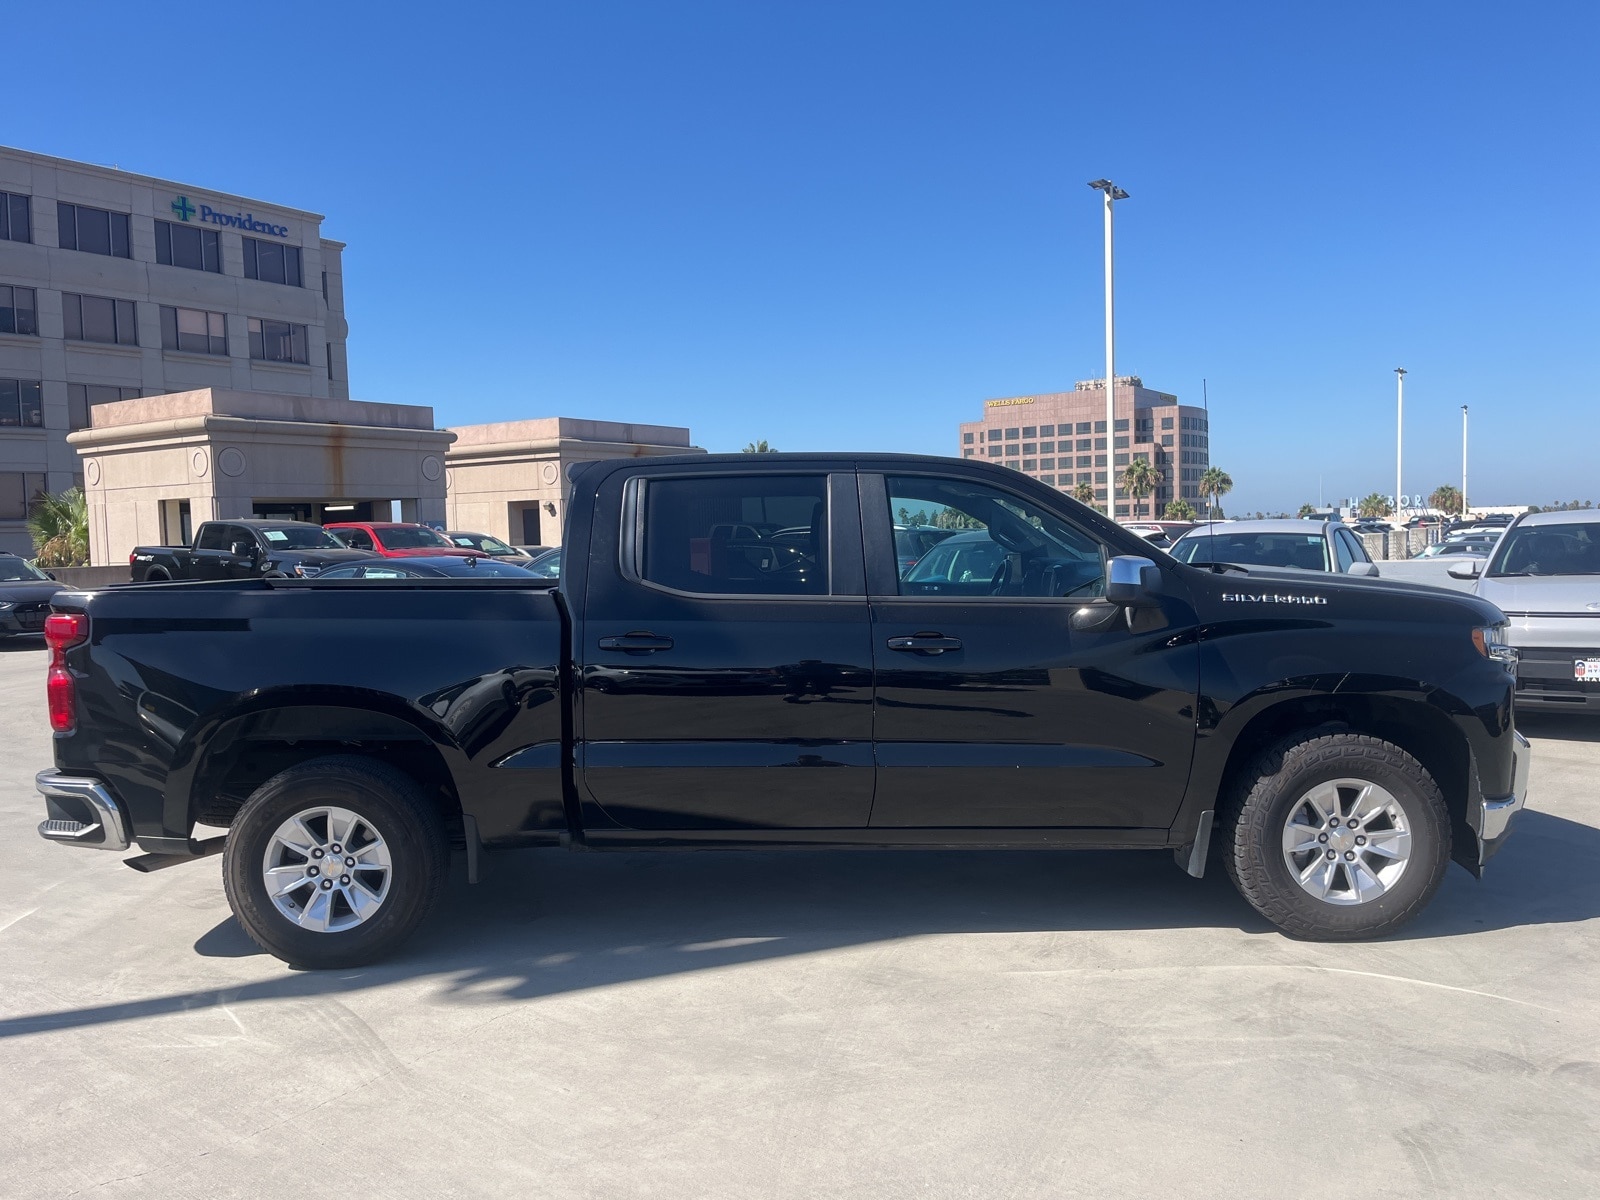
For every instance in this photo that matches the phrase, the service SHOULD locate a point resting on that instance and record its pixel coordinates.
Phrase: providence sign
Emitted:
(244, 221)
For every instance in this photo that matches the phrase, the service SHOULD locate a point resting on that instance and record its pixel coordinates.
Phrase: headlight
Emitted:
(7, 605)
(1491, 643)
(305, 570)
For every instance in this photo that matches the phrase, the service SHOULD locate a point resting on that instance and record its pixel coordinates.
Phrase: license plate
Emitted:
(1586, 669)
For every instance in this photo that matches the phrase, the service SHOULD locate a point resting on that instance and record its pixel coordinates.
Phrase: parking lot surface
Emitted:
(812, 1024)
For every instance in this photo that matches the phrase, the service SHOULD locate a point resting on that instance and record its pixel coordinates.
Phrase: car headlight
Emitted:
(7, 605)
(1491, 643)
(305, 570)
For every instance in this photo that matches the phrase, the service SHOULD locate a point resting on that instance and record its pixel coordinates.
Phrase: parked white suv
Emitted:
(1545, 576)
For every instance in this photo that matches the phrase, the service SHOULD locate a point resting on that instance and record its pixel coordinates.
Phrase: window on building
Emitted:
(271, 262)
(716, 535)
(19, 490)
(1122, 425)
(1121, 442)
(994, 451)
(1047, 464)
(93, 230)
(185, 246)
(1030, 464)
(325, 287)
(1084, 427)
(99, 319)
(19, 311)
(1099, 443)
(1099, 460)
(1029, 431)
(16, 222)
(1166, 423)
(21, 404)
(1011, 452)
(1030, 447)
(1047, 447)
(1166, 439)
(968, 453)
(1047, 431)
(82, 397)
(193, 331)
(1011, 434)
(1085, 460)
(1099, 426)
(277, 341)
(967, 439)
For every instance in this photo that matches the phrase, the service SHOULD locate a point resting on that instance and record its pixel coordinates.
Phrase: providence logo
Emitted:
(245, 221)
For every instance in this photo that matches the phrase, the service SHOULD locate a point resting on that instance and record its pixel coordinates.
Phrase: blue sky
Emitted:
(842, 226)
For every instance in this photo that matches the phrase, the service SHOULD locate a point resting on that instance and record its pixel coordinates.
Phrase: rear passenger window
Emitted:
(758, 535)
(214, 537)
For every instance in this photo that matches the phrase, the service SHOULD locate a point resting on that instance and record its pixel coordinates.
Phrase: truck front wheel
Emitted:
(1337, 837)
(334, 862)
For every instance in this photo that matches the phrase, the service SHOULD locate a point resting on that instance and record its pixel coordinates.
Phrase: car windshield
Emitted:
(482, 541)
(965, 558)
(14, 570)
(546, 566)
(299, 537)
(412, 537)
(1307, 551)
(1568, 549)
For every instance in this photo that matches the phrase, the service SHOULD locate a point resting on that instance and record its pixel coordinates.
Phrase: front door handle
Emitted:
(636, 643)
(925, 643)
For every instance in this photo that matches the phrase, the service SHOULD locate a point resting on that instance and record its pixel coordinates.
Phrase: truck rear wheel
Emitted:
(1337, 837)
(334, 862)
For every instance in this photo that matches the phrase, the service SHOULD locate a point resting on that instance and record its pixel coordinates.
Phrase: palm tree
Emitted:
(1374, 504)
(1083, 493)
(1445, 499)
(1179, 510)
(760, 447)
(1139, 479)
(60, 529)
(1215, 483)
(1306, 510)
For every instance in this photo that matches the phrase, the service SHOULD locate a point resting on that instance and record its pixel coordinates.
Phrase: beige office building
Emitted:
(509, 478)
(115, 285)
(1059, 438)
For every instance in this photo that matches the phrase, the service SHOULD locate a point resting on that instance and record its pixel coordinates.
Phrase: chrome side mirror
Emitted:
(1132, 581)
(1362, 568)
(1469, 568)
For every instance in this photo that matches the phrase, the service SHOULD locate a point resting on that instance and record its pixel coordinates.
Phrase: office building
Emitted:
(115, 286)
(1059, 438)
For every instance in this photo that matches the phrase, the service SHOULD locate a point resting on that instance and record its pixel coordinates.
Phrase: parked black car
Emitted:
(1059, 683)
(244, 549)
(25, 593)
(442, 567)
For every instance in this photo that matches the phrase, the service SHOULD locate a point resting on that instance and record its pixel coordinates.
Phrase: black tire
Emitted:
(387, 799)
(157, 575)
(1269, 794)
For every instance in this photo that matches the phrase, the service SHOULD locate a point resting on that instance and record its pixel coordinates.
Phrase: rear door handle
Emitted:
(636, 643)
(925, 643)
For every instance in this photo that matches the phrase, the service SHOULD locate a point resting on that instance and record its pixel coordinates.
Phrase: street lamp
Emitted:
(1112, 193)
(1399, 433)
(1463, 462)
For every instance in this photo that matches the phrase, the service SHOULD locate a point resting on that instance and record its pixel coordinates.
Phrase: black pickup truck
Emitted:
(735, 655)
(243, 549)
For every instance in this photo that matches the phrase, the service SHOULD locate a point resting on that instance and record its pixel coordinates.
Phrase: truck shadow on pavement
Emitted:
(545, 923)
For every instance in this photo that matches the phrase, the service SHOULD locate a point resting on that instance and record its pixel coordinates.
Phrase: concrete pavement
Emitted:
(805, 1024)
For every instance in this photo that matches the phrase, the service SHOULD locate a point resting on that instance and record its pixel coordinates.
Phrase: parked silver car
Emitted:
(1545, 576)
(1308, 545)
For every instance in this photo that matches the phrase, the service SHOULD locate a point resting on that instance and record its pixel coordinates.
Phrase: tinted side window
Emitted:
(213, 536)
(1358, 552)
(758, 535)
(992, 543)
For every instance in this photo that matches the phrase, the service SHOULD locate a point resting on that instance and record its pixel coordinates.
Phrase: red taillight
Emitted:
(61, 631)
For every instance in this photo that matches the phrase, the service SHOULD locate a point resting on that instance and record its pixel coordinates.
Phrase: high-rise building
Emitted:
(115, 285)
(1059, 438)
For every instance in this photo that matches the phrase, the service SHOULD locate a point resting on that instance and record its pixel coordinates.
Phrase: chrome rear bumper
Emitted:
(80, 812)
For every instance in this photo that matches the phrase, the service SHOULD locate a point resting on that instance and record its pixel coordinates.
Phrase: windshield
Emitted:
(411, 537)
(299, 537)
(14, 570)
(1549, 550)
(1307, 551)
(482, 541)
(546, 566)
(963, 559)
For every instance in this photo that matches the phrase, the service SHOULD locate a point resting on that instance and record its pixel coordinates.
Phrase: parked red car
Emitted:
(396, 539)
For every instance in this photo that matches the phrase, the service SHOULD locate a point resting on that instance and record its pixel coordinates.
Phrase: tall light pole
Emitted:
(1463, 462)
(1112, 193)
(1399, 434)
